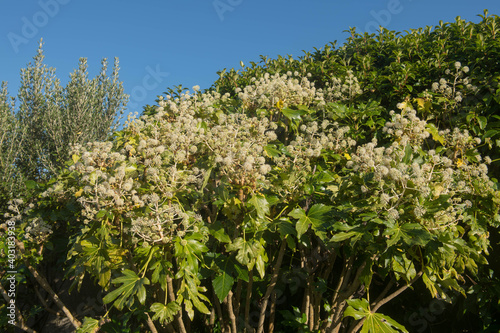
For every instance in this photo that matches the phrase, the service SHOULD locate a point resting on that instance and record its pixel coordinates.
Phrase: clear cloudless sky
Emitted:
(163, 43)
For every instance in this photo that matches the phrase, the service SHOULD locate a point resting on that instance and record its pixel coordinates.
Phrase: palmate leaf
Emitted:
(260, 204)
(190, 293)
(249, 253)
(316, 216)
(409, 233)
(374, 322)
(165, 313)
(188, 251)
(89, 325)
(132, 285)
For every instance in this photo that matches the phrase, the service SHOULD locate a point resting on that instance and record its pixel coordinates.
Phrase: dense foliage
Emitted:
(294, 195)
(37, 133)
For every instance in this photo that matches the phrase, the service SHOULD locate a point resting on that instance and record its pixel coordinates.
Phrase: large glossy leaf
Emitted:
(316, 216)
(374, 322)
(165, 313)
(217, 230)
(259, 204)
(89, 325)
(222, 285)
(293, 114)
(409, 233)
(224, 281)
(249, 252)
(131, 285)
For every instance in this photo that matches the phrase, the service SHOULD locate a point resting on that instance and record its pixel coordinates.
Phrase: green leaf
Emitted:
(408, 154)
(101, 213)
(342, 236)
(260, 204)
(260, 265)
(132, 285)
(374, 322)
(315, 217)
(379, 323)
(431, 128)
(75, 158)
(89, 325)
(431, 286)
(324, 176)
(272, 151)
(217, 230)
(482, 121)
(165, 313)
(293, 114)
(247, 251)
(404, 267)
(206, 179)
(30, 184)
(200, 305)
(303, 223)
(222, 285)
(410, 233)
(285, 227)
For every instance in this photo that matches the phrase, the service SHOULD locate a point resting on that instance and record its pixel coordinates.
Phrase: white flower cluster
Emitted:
(277, 90)
(312, 140)
(191, 104)
(404, 180)
(449, 87)
(407, 128)
(340, 91)
(237, 147)
(164, 223)
(36, 230)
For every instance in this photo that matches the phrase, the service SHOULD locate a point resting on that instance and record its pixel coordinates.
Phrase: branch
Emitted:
(270, 288)
(45, 285)
(247, 302)
(151, 325)
(396, 293)
(387, 299)
(384, 292)
(22, 325)
(272, 311)
(222, 321)
(171, 295)
(229, 298)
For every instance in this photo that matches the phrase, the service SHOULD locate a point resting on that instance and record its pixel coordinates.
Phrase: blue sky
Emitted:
(162, 43)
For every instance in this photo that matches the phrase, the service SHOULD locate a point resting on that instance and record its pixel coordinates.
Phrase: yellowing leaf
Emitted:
(422, 104)
(459, 162)
(280, 104)
(347, 156)
(79, 193)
